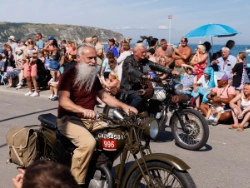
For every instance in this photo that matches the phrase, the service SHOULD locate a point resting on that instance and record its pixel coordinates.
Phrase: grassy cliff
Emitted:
(67, 32)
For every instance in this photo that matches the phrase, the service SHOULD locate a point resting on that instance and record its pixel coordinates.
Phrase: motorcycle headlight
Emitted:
(178, 89)
(151, 127)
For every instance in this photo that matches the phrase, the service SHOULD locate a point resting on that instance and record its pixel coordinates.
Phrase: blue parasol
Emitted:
(212, 30)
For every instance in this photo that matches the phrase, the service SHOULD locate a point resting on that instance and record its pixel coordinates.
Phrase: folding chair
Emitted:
(3, 78)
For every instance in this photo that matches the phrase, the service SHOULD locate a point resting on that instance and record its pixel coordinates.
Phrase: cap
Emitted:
(151, 50)
(222, 77)
(51, 37)
(112, 40)
(11, 38)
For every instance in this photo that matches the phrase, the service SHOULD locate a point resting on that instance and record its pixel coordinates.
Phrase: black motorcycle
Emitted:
(125, 136)
(188, 126)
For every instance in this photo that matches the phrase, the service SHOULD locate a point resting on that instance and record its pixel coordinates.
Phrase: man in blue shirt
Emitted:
(39, 43)
(111, 43)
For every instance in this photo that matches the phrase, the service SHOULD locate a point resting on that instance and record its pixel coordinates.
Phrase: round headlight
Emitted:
(151, 127)
(178, 89)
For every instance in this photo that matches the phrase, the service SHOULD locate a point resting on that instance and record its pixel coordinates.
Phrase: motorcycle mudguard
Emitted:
(166, 158)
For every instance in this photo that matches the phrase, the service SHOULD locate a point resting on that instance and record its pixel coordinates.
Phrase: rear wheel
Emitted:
(196, 131)
(160, 174)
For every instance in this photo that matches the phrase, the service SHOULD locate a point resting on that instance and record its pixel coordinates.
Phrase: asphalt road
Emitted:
(223, 163)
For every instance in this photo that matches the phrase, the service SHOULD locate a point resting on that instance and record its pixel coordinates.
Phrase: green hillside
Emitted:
(67, 32)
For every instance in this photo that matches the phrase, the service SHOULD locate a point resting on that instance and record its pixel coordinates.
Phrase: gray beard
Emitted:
(85, 77)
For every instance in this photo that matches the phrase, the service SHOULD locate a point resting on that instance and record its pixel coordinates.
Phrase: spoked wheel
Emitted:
(196, 132)
(159, 175)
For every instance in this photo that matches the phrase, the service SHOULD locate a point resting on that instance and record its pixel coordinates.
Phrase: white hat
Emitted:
(11, 38)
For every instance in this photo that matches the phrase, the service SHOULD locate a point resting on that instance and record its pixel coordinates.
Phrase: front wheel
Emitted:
(159, 174)
(195, 133)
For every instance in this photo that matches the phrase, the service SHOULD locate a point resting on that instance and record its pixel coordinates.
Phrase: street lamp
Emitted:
(169, 28)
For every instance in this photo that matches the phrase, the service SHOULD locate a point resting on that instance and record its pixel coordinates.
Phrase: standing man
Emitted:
(13, 44)
(181, 56)
(99, 50)
(39, 41)
(78, 88)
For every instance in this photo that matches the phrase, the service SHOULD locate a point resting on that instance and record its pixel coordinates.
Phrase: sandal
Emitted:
(233, 127)
(240, 129)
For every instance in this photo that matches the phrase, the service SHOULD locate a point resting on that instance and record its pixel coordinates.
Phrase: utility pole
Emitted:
(169, 28)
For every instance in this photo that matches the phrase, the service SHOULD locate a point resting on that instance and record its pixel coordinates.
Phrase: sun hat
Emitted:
(11, 38)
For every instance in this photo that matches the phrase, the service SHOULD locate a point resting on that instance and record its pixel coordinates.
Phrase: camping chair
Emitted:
(3, 78)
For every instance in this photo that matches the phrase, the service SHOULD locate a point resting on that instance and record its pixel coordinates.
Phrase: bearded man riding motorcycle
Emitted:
(78, 88)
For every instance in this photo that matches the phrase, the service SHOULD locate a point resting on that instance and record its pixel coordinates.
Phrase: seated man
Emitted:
(78, 88)
(181, 55)
(220, 97)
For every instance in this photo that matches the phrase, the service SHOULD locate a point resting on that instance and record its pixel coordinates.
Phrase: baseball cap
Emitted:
(51, 37)
(222, 77)
(11, 38)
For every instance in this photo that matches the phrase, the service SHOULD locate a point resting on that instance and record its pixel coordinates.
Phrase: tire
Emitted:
(162, 175)
(198, 132)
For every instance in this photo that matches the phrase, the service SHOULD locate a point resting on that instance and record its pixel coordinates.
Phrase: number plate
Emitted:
(109, 145)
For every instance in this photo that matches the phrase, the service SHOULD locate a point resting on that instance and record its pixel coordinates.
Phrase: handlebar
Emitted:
(121, 120)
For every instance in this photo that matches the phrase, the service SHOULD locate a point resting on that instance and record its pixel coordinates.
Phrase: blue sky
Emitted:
(136, 17)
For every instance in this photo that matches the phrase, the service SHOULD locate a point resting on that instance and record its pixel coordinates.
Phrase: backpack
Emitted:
(23, 145)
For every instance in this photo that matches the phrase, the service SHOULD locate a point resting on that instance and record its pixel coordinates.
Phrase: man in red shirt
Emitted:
(77, 89)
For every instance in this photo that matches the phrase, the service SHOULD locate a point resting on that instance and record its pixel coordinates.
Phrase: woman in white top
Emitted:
(126, 52)
(241, 108)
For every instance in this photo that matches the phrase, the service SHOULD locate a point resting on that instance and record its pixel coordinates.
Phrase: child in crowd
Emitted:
(188, 79)
(111, 83)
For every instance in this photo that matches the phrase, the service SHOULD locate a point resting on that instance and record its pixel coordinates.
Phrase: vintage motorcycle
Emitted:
(124, 136)
(188, 126)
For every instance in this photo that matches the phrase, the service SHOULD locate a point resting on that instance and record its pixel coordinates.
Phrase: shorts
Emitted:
(54, 65)
(220, 109)
(30, 70)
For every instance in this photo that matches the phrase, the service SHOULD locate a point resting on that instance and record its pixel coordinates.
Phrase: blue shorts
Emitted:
(54, 65)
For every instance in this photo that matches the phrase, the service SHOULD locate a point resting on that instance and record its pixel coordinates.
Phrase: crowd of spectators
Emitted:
(214, 81)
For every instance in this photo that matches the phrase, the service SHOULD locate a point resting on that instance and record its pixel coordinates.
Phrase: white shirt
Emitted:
(229, 64)
(120, 61)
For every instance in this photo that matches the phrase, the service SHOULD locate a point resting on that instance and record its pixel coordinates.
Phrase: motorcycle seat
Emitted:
(48, 120)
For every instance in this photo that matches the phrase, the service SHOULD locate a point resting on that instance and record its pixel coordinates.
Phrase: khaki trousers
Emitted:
(78, 132)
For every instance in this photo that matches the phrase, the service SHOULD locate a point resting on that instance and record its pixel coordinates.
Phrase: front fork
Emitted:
(184, 128)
